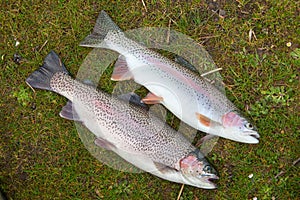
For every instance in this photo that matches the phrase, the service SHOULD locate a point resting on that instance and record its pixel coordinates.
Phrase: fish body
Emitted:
(126, 129)
(186, 94)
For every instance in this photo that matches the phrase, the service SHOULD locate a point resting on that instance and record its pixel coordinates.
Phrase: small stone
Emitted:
(17, 58)
(222, 13)
(17, 43)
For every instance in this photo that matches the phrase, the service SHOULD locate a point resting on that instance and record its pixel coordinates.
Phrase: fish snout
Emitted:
(255, 135)
(251, 137)
(210, 181)
(212, 178)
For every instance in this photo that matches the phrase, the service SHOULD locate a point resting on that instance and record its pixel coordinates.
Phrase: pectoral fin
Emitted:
(152, 99)
(121, 71)
(203, 119)
(205, 139)
(207, 144)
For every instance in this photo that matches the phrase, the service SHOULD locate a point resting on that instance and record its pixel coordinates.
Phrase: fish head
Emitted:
(197, 171)
(238, 128)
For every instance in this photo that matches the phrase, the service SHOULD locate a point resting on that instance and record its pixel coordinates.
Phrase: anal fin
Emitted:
(69, 113)
(121, 71)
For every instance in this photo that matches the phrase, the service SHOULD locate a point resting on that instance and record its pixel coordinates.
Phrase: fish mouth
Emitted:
(206, 181)
(211, 180)
(250, 137)
(254, 137)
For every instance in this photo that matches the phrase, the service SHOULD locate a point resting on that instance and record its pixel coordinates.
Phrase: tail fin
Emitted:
(104, 24)
(41, 77)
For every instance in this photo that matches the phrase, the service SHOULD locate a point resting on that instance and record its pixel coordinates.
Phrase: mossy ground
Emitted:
(41, 155)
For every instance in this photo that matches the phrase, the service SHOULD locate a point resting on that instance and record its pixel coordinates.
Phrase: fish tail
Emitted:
(104, 25)
(41, 77)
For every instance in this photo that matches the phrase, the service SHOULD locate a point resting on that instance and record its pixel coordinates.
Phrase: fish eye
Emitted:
(207, 169)
(249, 126)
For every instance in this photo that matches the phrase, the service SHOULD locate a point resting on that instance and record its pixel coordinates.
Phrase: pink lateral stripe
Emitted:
(102, 106)
(176, 74)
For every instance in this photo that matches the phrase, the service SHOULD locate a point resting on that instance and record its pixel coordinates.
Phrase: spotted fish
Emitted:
(186, 94)
(126, 129)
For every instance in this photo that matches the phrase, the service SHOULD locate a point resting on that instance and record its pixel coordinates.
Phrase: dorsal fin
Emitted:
(133, 99)
(89, 82)
(217, 83)
(183, 62)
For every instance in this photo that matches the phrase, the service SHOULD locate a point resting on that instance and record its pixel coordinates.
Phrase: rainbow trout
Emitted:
(128, 130)
(186, 94)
